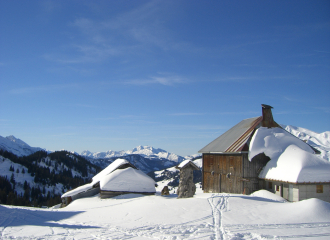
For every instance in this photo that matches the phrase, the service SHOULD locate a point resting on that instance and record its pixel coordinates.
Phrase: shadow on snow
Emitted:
(15, 216)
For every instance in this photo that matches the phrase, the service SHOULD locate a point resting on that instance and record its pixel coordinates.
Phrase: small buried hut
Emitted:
(120, 177)
(226, 163)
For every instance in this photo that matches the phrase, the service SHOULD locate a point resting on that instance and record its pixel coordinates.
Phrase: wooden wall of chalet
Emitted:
(251, 170)
(231, 173)
(222, 173)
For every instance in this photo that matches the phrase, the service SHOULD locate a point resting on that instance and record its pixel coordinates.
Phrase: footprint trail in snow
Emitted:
(219, 204)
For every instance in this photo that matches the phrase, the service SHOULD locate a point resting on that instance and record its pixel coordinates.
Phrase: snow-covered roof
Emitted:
(97, 178)
(109, 169)
(128, 180)
(113, 179)
(292, 160)
(81, 189)
(186, 163)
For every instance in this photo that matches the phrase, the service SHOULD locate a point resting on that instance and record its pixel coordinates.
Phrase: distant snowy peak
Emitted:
(17, 141)
(145, 151)
(17, 146)
(108, 154)
(320, 141)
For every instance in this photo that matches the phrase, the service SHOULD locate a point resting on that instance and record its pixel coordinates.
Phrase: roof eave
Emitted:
(225, 152)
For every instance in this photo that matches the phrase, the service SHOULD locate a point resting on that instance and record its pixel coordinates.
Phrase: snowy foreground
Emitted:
(206, 216)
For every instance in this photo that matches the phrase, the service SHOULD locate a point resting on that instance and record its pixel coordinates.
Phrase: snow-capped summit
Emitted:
(145, 151)
(148, 151)
(17, 141)
(17, 146)
(320, 141)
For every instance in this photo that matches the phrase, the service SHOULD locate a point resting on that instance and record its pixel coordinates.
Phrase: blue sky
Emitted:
(112, 75)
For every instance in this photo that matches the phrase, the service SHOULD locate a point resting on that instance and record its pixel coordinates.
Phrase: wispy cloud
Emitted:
(323, 52)
(85, 106)
(187, 114)
(215, 113)
(294, 112)
(45, 88)
(292, 99)
(250, 78)
(49, 6)
(324, 109)
(83, 53)
(63, 135)
(300, 30)
(310, 65)
(163, 80)
(130, 32)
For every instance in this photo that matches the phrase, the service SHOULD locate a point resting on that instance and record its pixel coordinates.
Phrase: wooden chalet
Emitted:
(226, 167)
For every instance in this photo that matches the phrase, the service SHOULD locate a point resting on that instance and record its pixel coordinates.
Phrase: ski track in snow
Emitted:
(208, 227)
(219, 204)
(248, 231)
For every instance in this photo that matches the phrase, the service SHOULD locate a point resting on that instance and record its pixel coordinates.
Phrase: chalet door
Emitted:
(231, 174)
(212, 182)
(211, 173)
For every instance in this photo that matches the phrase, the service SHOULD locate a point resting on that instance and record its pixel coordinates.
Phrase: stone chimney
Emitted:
(267, 117)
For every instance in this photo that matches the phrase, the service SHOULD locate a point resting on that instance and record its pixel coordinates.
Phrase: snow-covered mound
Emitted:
(145, 151)
(17, 146)
(292, 160)
(320, 141)
(266, 194)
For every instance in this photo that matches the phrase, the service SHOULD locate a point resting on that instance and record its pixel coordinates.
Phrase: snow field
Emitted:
(205, 216)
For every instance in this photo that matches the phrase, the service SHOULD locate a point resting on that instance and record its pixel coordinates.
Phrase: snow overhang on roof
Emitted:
(234, 140)
(117, 164)
(80, 189)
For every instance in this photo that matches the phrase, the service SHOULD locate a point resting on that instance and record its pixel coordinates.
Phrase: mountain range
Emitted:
(145, 158)
(39, 176)
(320, 141)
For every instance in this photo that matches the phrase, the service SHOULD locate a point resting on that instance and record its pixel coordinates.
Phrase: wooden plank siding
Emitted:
(231, 173)
(222, 173)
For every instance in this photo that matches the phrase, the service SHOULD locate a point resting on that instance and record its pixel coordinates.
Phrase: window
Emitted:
(319, 188)
(270, 185)
(277, 188)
